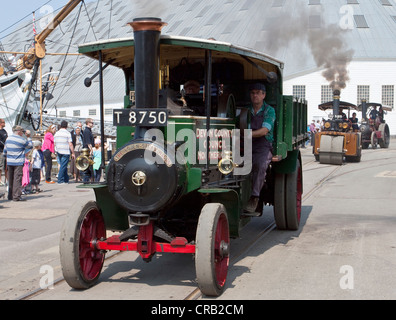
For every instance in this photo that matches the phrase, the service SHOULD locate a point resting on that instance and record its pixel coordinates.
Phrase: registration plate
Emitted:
(140, 117)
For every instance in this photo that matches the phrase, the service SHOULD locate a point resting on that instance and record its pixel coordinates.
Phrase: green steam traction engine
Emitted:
(172, 185)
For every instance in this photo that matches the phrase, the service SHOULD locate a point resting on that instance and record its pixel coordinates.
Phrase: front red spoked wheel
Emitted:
(221, 250)
(212, 249)
(91, 259)
(81, 262)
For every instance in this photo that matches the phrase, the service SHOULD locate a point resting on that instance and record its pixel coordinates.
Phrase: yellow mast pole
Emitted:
(39, 39)
(41, 96)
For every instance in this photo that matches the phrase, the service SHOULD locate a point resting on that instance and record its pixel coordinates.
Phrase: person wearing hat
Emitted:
(15, 148)
(262, 126)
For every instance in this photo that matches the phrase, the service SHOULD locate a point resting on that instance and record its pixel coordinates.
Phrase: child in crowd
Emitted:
(36, 165)
(97, 157)
(26, 186)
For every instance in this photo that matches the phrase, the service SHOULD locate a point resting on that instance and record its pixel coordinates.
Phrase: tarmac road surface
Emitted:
(345, 247)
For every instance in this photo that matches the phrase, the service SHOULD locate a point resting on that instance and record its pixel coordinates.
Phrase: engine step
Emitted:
(246, 214)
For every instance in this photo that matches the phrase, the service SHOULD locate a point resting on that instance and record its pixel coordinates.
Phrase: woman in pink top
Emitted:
(48, 149)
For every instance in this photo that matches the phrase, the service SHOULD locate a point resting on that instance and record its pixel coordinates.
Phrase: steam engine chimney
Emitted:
(147, 33)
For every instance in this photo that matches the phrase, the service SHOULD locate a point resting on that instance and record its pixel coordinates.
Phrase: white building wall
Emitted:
(84, 111)
(372, 73)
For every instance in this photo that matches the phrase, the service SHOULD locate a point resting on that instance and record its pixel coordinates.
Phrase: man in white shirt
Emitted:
(317, 126)
(63, 147)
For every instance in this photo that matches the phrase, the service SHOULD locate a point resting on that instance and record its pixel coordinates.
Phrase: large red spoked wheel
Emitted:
(82, 264)
(212, 249)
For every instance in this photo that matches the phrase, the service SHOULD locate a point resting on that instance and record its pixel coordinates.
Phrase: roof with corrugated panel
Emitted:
(286, 29)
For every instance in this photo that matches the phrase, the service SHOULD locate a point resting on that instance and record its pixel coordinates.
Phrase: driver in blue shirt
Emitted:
(262, 125)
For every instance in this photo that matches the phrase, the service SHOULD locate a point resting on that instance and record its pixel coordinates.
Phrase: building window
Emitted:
(326, 94)
(299, 92)
(62, 114)
(363, 92)
(388, 95)
(76, 113)
(385, 3)
(360, 21)
(108, 112)
(92, 112)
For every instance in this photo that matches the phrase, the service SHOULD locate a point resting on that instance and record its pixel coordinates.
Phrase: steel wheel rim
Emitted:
(91, 259)
(374, 140)
(386, 138)
(221, 254)
(299, 194)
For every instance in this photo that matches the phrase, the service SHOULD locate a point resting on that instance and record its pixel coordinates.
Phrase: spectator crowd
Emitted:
(26, 163)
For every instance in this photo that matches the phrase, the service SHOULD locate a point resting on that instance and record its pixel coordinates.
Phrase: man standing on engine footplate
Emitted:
(262, 125)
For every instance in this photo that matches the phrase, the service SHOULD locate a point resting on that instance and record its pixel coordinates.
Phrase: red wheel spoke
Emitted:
(91, 259)
(221, 262)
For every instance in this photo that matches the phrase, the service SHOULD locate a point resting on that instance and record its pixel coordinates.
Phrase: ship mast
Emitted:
(40, 38)
(38, 52)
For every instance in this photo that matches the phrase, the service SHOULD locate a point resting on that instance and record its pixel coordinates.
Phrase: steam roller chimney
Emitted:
(364, 109)
(336, 103)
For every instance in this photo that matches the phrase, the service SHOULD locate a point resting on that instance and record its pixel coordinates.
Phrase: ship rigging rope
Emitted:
(90, 20)
(20, 20)
(25, 25)
(75, 62)
(110, 14)
(64, 61)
